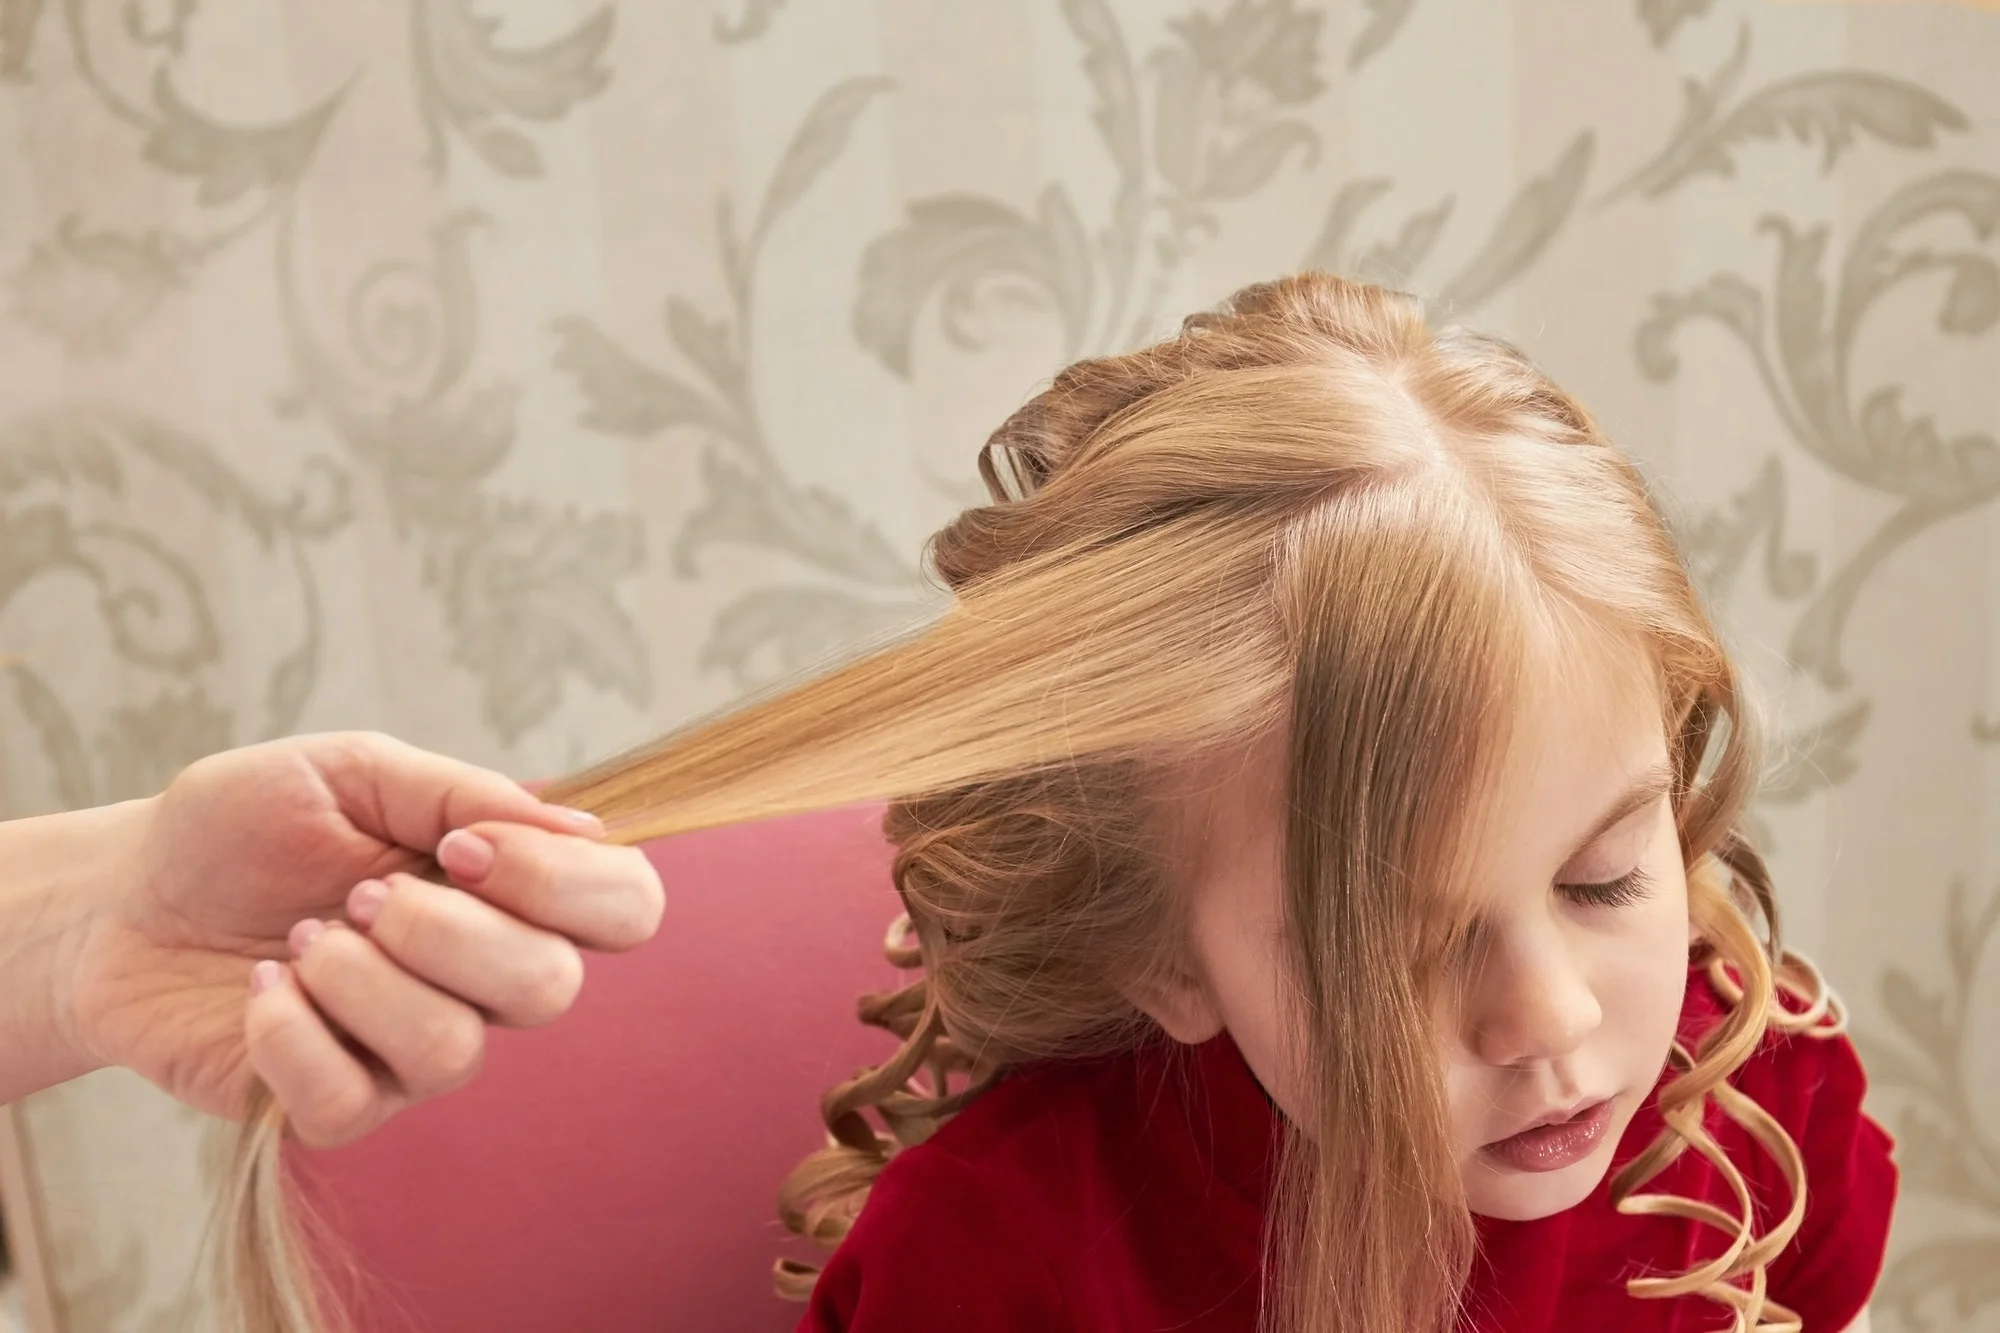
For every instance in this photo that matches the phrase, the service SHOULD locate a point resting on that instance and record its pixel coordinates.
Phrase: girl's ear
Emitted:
(1180, 1004)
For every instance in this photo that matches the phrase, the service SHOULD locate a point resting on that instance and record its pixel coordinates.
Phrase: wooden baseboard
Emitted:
(27, 1234)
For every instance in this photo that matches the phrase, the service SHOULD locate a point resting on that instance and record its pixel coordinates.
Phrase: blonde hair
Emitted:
(1311, 516)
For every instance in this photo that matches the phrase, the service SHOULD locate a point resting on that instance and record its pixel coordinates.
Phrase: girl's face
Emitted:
(1566, 1007)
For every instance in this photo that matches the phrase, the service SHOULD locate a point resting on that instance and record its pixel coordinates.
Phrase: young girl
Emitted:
(1317, 818)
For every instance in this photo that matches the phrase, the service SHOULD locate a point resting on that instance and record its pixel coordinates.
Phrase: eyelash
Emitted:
(1621, 892)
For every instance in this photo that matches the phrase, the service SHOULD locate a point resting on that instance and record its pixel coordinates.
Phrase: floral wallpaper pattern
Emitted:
(522, 376)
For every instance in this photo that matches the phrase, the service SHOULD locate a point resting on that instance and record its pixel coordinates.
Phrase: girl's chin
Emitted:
(1508, 1195)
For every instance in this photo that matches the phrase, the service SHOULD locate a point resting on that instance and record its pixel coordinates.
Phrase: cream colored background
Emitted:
(523, 376)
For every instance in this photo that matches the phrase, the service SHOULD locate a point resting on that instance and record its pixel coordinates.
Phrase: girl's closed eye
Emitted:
(1631, 887)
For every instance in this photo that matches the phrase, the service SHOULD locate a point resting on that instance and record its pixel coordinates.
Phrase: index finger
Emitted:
(599, 895)
(413, 797)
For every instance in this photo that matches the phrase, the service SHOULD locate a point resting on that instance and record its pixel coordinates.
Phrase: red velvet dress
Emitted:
(1129, 1194)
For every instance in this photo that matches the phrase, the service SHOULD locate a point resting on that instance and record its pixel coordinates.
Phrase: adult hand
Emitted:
(268, 927)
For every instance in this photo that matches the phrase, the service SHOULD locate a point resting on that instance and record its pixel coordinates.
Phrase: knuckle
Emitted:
(536, 874)
(337, 1113)
(633, 915)
(332, 953)
(269, 1027)
(550, 984)
(326, 1104)
(353, 748)
(525, 878)
(410, 924)
(450, 1050)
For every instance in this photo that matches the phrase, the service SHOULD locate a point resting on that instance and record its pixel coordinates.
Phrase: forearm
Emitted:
(57, 873)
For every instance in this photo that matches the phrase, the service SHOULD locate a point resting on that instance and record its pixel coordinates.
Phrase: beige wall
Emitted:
(523, 376)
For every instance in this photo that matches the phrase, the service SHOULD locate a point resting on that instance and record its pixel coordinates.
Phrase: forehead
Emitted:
(1586, 721)
(1581, 719)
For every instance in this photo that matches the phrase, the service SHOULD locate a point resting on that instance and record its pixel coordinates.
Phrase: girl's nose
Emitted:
(1531, 1003)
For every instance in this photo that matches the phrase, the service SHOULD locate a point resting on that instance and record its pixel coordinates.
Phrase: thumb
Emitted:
(413, 797)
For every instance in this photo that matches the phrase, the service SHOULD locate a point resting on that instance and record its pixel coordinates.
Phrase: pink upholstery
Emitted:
(618, 1170)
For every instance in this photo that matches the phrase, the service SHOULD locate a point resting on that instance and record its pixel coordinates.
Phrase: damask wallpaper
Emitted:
(523, 376)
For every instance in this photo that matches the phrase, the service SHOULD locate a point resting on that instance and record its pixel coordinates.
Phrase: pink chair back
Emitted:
(618, 1170)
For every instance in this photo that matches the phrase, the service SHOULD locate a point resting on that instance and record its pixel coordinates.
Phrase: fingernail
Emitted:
(303, 935)
(466, 855)
(580, 820)
(364, 903)
(265, 975)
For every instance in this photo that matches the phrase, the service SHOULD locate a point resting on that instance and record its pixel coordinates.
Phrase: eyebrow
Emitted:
(1647, 788)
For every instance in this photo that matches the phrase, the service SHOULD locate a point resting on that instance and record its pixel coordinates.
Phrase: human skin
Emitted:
(1568, 999)
(258, 920)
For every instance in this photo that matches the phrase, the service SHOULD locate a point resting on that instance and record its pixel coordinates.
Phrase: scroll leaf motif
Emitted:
(1178, 118)
(91, 291)
(144, 747)
(531, 598)
(289, 687)
(152, 599)
(199, 467)
(1390, 263)
(1719, 545)
(748, 499)
(1385, 19)
(1266, 43)
(18, 20)
(56, 734)
(1215, 136)
(821, 138)
(622, 395)
(813, 524)
(1834, 107)
(1107, 64)
(1329, 249)
(952, 246)
(1935, 1160)
(1239, 169)
(1874, 263)
(1725, 298)
(1109, 69)
(229, 160)
(1918, 1012)
(1817, 758)
(1664, 17)
(707, 344)
(1531, 221)
(58, 447)
(1959, 1274)
(467, 81)
(165, 33)
(1945, 1142)
(33, 541)
(528, 592)
(1972, 301)
(755, 20)
(1803, 354)
(780, 630)
(414, 326)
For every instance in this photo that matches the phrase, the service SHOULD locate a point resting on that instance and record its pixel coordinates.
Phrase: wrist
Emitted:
(62, 878)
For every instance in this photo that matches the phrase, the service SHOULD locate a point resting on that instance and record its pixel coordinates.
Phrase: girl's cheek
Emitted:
(1649, 973)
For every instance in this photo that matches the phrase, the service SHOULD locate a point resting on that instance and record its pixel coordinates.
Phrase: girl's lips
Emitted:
(1553, 1147)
